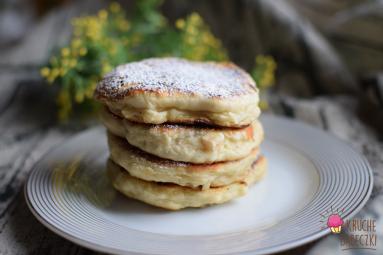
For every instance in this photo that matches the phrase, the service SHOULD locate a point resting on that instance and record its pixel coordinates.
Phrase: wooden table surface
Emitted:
(28, 129)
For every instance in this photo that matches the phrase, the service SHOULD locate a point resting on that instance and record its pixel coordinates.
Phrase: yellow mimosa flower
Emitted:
(115, 7)
(103, 15)
(79, 97)
(180, 23)
(76, 43)
(44, 72)
(83, 51)
(65, 52)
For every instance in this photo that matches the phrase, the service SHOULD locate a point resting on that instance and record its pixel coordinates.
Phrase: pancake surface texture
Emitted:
(151, 168)
(175, 197)
(174, 90)
(185, 143)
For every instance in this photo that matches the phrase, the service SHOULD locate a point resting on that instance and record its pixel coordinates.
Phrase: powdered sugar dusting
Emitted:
(169, 75)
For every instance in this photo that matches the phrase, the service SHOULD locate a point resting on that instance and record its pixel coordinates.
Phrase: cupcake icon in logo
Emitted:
(335, 222)
(332, 219)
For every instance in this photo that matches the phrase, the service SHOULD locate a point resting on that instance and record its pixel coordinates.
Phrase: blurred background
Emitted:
(319, 47)
(318, 61)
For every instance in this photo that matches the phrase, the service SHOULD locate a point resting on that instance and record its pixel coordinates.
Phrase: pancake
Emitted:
(175, 197)
(195, 144)
(173, 90)
(152, 168)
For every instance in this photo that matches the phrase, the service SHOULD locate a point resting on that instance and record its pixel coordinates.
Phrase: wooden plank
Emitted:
(28, 130)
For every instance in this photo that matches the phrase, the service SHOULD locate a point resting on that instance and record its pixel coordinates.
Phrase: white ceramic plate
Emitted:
(311, 175)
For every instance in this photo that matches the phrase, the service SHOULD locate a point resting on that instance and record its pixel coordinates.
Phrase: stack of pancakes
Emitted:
(181, 133)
